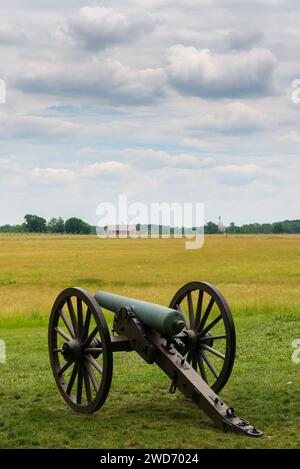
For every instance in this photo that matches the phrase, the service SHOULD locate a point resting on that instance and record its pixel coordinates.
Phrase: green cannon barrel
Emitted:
(167, 321)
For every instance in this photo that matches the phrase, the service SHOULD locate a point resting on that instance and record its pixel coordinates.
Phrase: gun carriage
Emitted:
(192, 341)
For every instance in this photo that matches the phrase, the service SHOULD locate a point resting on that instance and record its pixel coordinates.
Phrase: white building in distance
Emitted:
(221, 226)
(121, 231)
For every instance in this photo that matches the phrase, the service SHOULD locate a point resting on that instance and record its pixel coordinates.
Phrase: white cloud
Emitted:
(32, 126)
(95, 170)
(12, 34)
(99, 27)
(234, 118)
(240, 39)
(148, 158)
(106, 80)
(100, 173)
(239, 175)
(106, 169)
(200, 72)
(292, 136)
(52, 175)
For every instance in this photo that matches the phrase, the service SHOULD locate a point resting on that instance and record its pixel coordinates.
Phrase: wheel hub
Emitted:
(209, 342)
(72, 350)
(192, 339)
(95, 343)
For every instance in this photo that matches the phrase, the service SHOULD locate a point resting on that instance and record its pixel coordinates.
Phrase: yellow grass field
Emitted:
(258, 275)
(254, 273)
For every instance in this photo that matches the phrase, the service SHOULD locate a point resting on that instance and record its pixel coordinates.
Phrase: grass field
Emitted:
(258, 275)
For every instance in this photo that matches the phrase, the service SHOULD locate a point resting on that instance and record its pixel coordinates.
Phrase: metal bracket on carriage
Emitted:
(232, 422)
(173, 385)
(168, 345)
(127, 323)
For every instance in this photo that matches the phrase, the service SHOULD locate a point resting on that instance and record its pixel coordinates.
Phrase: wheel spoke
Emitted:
(92, 376)
(94, 363)
(179, 308)
(206, 314)
(67, 323)
(194, 361)
(209, 364)
(72, 379)
(79, 316)
(213, 351)
(79, 385)
(64, 368)
(93, 349)
(212, 337)
(72, 316)
(189, 357)
(191, 310)
(91, 336)
(199, 309)
(86, 383)
(201, 367)
(211, 325)
(63, 334)
(86, 325)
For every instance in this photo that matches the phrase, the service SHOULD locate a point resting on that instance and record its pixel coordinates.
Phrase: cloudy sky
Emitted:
(163, 101)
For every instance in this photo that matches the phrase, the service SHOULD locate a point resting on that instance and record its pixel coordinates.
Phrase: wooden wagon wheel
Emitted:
(80, 350)
(211, 332)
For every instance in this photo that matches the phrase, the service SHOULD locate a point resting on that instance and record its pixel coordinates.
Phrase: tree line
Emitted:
(74, 225)
(36, 224)
(287, 226)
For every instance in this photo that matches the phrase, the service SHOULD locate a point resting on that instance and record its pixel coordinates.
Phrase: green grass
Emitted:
(258, 275)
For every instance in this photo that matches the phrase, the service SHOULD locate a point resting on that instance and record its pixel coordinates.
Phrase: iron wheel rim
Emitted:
(92, 387)
(195, 316)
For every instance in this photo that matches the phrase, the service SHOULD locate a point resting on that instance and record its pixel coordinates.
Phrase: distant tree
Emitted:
(232, 228)
(295, 226)
(7, 228)
(266, 228)
(277, 228)
(138, 227)
(289, 227)
(77, 226)
(13, 228)
(251, 228)
(21, 228)
(211, 228)
(35, 224)
(56, 225)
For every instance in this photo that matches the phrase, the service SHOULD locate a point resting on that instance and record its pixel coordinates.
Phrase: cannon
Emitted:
(192, 341)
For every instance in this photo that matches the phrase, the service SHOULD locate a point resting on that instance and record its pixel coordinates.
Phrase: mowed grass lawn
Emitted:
(258, 275)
